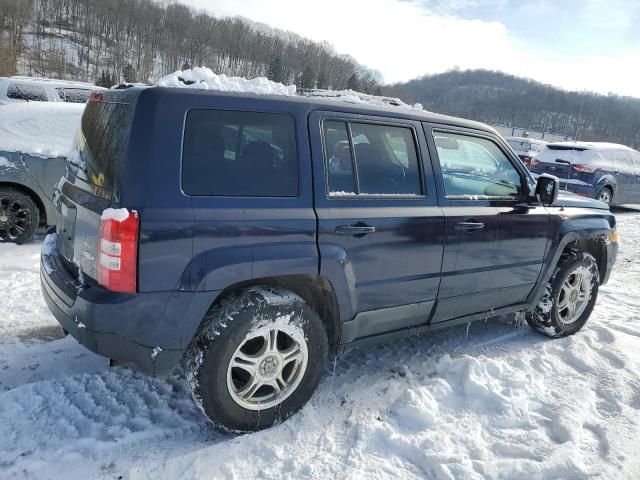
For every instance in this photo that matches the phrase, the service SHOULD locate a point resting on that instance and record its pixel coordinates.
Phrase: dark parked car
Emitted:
(606, 171)
(249, 237)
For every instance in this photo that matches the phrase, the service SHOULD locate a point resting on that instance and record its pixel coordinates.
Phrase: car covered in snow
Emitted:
(527, 148)
(249, 236)
(606, 171)
(29, 89)
(35, 137)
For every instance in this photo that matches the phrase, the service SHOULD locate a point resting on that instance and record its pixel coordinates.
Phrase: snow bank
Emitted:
(204, 78)
(39, 128)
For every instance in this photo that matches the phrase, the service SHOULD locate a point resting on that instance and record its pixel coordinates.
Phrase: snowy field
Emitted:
(494, 402)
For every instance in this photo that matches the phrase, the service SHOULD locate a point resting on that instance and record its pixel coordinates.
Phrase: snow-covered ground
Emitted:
(494, 402)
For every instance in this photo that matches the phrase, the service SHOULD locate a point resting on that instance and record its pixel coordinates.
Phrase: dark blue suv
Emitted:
(606, 171)
(248, 237)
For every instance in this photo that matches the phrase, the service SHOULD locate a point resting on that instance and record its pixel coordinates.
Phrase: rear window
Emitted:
(232, 153)
(519, 146)
(26, 91)
(73, 95)
(103, 140)
(566, 147)
(386, 160)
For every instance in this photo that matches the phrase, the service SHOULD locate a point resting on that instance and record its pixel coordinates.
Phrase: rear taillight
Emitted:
(118, 253)
(526, 159)
(534, 162)
(581, 167)
(95, 96)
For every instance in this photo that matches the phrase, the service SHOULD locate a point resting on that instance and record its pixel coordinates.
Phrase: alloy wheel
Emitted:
(267, 367)
(15, 218)
(604, 195)
(574, 296)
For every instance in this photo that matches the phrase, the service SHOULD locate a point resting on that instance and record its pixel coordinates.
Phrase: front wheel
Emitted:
(258, 359)
(605, 195)
(569, 298)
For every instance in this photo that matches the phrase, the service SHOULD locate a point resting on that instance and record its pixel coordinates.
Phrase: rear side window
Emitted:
(73, 95)
(370, 159)
(231, 153)
(26, 91)
(103, 140)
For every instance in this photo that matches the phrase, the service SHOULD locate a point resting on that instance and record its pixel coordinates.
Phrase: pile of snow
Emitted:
(203, 78)
(44, 129)
(117, 214)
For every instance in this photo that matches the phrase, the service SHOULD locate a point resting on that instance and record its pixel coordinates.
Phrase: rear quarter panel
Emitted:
(203, 243)
(37, 174)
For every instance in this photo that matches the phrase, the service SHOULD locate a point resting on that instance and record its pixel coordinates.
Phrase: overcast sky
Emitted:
(574, 44)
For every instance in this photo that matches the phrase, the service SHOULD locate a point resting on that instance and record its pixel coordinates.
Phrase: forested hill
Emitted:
(498, 98)
(142, 40)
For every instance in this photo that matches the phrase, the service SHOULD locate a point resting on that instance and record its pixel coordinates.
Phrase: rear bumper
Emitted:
(149, 331)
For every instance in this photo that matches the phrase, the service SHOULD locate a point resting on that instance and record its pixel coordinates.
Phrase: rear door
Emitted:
(494, 242)
(379, 226)
(92, 181)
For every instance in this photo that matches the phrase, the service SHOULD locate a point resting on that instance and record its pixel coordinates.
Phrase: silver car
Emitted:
(35, 137)
(29, 89)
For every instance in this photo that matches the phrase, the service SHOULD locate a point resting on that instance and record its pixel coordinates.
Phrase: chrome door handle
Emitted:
(469, 226)
(354, 229)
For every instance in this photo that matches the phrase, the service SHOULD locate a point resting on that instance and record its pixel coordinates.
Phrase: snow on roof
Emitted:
(589, 145)
(39, 128)
(51, 81)
(526, 139)
(204, 78)
(351, 96)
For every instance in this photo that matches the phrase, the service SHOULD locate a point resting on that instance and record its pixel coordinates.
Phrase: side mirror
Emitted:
(547, 189)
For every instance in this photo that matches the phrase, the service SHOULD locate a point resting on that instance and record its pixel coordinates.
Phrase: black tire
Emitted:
(545, 318)
(19, 216)
(605, 194)
(226, 327)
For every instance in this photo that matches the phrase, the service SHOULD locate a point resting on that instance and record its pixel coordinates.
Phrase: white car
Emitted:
(526, 148)
(21, 89)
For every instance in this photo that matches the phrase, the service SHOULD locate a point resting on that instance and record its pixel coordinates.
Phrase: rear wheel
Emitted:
(569, 298)
(258, 359)
(605, 195)
(19, 216)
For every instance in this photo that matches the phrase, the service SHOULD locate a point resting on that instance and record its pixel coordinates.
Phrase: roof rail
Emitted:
(345, 94)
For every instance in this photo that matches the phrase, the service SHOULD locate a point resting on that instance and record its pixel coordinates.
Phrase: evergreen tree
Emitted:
(276, 70)
(322, 80)
(308, 78)
(106, 80)
(354, 82)
(129, 74)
